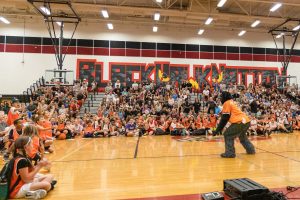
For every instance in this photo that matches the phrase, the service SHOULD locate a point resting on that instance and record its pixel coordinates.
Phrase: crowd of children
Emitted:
(27, 132)
(150, 109)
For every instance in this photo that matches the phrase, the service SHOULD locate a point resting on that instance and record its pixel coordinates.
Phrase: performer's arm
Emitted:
(224, 119)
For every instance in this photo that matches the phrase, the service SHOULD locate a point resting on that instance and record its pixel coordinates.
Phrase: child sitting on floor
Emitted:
(31, 185)
(89, 130)
(131, 129)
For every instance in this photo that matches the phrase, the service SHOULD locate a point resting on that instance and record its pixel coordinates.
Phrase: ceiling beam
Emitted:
(188, 17)
(288, 3)
(190, 5)
(148, 23)
(174, 13)
(157, 4)
(172, 4)
(241, 7)
(122, 3)
(201, 5)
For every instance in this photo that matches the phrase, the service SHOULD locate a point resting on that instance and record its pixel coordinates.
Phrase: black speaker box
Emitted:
(244, 189)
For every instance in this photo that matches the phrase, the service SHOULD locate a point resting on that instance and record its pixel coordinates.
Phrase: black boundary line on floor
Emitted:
(137, 147)
(107, 159)
(278, 154)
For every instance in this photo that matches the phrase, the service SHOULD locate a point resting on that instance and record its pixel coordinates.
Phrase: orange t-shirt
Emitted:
(14, 178)
(44, 134)
(186, 123)
(198, 123)
(89, 129)
(213, 121)
(11, 117)
(205, 123)
(236, 115)
(35, 146)
(60, 126)
(15, 134)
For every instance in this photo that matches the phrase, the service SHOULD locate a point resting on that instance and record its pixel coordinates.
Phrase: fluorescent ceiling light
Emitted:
(209, 20)
(221, 3)
(155, 29)
(156, 16)
(254, 24)
(242, 33)
(158, 1)
(110, 26)
(4, 20)
(296, 28)
(279, 35)
(45, 10)
(275, 7)
(201, 31)
(105, 13)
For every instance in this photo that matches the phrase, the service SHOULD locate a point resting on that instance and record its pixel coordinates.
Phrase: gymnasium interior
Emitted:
(130, 92)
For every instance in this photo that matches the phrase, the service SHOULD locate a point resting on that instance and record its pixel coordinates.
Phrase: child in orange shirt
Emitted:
(46, 133)
(106, 127)
(198, 122)
(150, 126)
(61, 131)
(205, 123)
(37, 151)
(89, 130)
(213, 120)
(186, 125)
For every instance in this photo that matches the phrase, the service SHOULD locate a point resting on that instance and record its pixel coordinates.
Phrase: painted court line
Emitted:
(278, 154)
(158, 157)
(72, 152)
(137, 147)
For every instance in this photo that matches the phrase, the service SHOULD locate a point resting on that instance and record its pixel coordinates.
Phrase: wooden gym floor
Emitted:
(106, 168)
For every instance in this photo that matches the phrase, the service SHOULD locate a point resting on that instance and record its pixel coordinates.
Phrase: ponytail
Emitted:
(30, 130)
(20, 144)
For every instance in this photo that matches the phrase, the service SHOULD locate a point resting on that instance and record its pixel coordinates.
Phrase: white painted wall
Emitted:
(19, 70)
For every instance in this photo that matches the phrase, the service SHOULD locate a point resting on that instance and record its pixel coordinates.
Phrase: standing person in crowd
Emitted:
(135, 86)
(197, 106)
(206, 93)
(211, 105)
(240, 123)
(117, 84)
(31, 109)
(13, 112)
(108, 88)
(94, 87)
(186, 107)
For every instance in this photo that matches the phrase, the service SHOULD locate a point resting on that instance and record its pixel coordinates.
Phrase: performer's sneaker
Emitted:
(251, 152)
(224, 155)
